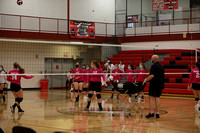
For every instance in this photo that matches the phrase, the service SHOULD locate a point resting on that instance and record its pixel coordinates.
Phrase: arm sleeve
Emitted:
(27, 77)
(121, 71)
(88, 76)
(122, 74)
(112, 72)
(103, 75)
(136, 74)
(126, 72)
(9, 77)
(191, 75)
(146, 75)
(133, 74)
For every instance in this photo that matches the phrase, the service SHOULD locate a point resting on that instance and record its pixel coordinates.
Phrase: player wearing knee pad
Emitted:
(194, 84)
(78, 80)
(15, 86)
(86, 78)
(95, 83)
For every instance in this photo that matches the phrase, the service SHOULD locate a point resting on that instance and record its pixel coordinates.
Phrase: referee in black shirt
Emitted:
(156, 79)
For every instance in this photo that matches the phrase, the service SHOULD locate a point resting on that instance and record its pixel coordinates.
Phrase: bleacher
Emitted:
(177, 61)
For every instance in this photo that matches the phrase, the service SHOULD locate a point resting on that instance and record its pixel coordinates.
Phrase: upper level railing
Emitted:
(167, 14)
(60, 26)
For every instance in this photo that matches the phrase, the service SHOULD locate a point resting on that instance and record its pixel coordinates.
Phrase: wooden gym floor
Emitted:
(47, 112)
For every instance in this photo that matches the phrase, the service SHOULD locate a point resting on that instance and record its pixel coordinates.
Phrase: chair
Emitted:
(19, 129)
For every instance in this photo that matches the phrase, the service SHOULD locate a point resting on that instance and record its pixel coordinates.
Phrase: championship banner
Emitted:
(158, 5)
(80, 29)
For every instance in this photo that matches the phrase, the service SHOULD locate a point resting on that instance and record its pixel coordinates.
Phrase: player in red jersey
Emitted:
(86, 79)
(141, 77)
(78, 81)
(194, 83)
(15, 86)
(116, 80)
(95, 83)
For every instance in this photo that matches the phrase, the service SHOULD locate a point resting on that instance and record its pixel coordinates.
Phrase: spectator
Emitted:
(121, 66)
(110, 66)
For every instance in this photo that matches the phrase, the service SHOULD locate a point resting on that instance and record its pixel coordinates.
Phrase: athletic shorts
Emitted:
(155, 92)
(71, 80)
(95, 86)
(79, 81)
(15, 87)
(195, 86)
(115, 86)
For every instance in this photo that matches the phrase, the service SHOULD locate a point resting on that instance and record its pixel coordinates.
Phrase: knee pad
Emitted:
(76, 91)
(1, 91)
(98, 96)
(20, 100)
(196, 99)
(80, 91)
(90, 95)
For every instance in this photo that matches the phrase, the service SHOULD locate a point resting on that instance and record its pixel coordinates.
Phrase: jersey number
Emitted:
(197, 75)
(14, 77)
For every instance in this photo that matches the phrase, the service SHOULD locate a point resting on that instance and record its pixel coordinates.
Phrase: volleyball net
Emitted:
(53, 60)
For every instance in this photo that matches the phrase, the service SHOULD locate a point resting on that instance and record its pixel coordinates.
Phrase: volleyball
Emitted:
(19, 2)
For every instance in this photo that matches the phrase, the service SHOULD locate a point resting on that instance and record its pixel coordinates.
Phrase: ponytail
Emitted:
(17, 66)
(145, 68)
(132, 67)
(198, 65)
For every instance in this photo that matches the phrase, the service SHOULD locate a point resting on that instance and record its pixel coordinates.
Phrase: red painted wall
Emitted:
(98, 39)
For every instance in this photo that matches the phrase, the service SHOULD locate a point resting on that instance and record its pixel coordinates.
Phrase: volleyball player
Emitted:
(116, 80)
(95, 83)
(130, 77)
(2, 82)
(15, 86)
(141, 77)
(78, 81)
(86, 78)
(194, 83)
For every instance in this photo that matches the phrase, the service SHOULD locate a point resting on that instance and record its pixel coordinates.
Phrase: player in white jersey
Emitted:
(2, 82)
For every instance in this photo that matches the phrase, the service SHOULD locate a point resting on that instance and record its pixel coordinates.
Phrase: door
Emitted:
(57, 66)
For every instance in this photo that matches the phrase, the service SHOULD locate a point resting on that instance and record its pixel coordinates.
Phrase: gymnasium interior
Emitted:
(48, 37)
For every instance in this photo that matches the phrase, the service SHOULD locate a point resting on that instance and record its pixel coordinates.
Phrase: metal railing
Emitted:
(60, 26)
